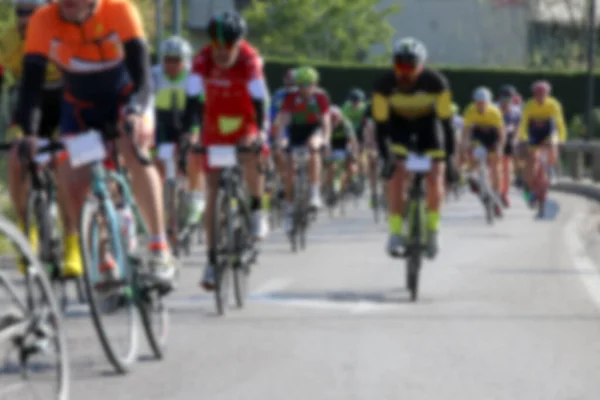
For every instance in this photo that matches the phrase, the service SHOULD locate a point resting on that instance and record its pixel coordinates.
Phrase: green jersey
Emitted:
(354, 114)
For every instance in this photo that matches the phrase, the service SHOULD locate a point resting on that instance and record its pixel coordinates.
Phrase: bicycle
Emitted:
(335, 193)
(41, 213)
(542, 178)
(33, 327)
(491, 202)
(232, 227)
(418, 165)
(176, 197)
(302, 214)
(101, 236)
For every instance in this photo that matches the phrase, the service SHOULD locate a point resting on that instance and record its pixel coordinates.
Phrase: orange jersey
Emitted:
(90, 55)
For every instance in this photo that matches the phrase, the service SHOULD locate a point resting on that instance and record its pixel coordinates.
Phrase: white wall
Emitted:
(465, 32)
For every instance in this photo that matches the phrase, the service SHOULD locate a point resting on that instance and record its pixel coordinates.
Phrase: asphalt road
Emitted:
(506, 312)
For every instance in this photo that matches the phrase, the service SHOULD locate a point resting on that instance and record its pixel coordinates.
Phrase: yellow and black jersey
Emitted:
(428, 96)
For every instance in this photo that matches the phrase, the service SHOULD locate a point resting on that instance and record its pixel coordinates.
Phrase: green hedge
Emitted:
(568, 87)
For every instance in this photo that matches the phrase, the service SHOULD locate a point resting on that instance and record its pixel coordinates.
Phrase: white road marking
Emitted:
(272, 285)
(581, 260)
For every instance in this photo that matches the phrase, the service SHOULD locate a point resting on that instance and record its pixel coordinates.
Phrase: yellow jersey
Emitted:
(490, 118)
(12, 48)
(549, 110)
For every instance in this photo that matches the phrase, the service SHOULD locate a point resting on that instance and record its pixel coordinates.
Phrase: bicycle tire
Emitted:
(157, 338)
(489, 210)
(21, 244)
(184, 231)
(172, 217)
(88, 223)
(414, 259)
(241, 271)
(223, 267)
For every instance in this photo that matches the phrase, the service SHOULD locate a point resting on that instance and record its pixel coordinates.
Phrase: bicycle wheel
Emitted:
(184, 231)
(243, 248)
(172, 217)
(223, 244)
(40, 345)
(489, 210)
(415, 246)
(100, 240)
(155, 318)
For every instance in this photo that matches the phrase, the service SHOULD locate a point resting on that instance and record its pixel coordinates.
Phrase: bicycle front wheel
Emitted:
(109, 286)
(41, 347)
(221, 236)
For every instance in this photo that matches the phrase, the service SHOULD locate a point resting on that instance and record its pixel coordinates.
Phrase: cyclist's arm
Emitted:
(284, 116)
(137, 56)
(443, 108)
(194, 107)
(259, 93)
(381, 116)
(560, 122)
(524, 124)
(324, 104)
(35, 61)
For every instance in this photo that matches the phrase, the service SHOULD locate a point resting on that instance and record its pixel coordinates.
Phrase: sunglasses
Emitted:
(215, 44)
(405, 68)
(172, 60)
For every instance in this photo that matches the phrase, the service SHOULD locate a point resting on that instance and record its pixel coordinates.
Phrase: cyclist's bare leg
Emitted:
(194, 171)
(145, 182)
(495, 171)
(435, 193)
(506, 173)
(18, 184)
(314, 162)
(530, 168)
(212, 188)
(330, 175)
(72, 188)
(396, 190)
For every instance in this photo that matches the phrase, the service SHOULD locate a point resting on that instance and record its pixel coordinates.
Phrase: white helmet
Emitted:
(176, 47)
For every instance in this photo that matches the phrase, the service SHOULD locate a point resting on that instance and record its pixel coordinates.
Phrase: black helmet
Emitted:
(356, 95)
(228, 27)
(507, 91)
(410, 51)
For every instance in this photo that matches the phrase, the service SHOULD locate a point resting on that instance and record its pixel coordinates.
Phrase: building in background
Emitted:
(493, 32)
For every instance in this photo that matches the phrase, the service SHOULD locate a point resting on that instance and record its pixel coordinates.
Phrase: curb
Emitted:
(581, 189)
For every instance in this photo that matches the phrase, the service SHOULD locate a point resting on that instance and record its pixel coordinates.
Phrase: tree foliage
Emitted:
(341, 30)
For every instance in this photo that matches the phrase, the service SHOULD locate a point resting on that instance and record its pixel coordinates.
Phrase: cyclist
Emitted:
(236, 97)
(542, 127)
(172, 81)
(276, 103)
(305, 113)
(484, 126)
(101, 49)
(11, 57)
(354, 109)
(344, 148)
(512, 117)
(414, 103)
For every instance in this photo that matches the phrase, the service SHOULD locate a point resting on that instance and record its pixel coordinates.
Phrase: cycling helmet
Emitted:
(289, 77)
(482, 93)
(227, 27)
(306, 76)
(507, 92)
(409, 51)
(356, 95)
(541, 87)
(335, 113)
(176, 47)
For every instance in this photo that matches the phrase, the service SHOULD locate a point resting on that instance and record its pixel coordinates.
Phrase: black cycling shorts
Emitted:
(488, 138)
(540, 131)
(167, 130)
(300, 134)
(423, 136)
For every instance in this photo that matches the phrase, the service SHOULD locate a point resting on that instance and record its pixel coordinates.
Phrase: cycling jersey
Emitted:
(306, 114)
(12, 50)
(540, 121)
(341, 134)
(232, 96)
(354, 114)
(105, 63)
(170, 102)
(485, 126)
(411, 115)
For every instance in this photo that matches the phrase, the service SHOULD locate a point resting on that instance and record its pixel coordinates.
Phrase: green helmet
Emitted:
(306, 76)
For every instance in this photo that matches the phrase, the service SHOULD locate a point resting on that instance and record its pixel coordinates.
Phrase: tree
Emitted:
(336, 30)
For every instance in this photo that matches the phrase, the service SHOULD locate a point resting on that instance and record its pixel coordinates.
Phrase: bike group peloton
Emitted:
(78, 65)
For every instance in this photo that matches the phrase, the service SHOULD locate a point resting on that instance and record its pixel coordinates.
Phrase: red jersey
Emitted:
(306, 111)
(228, 107)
